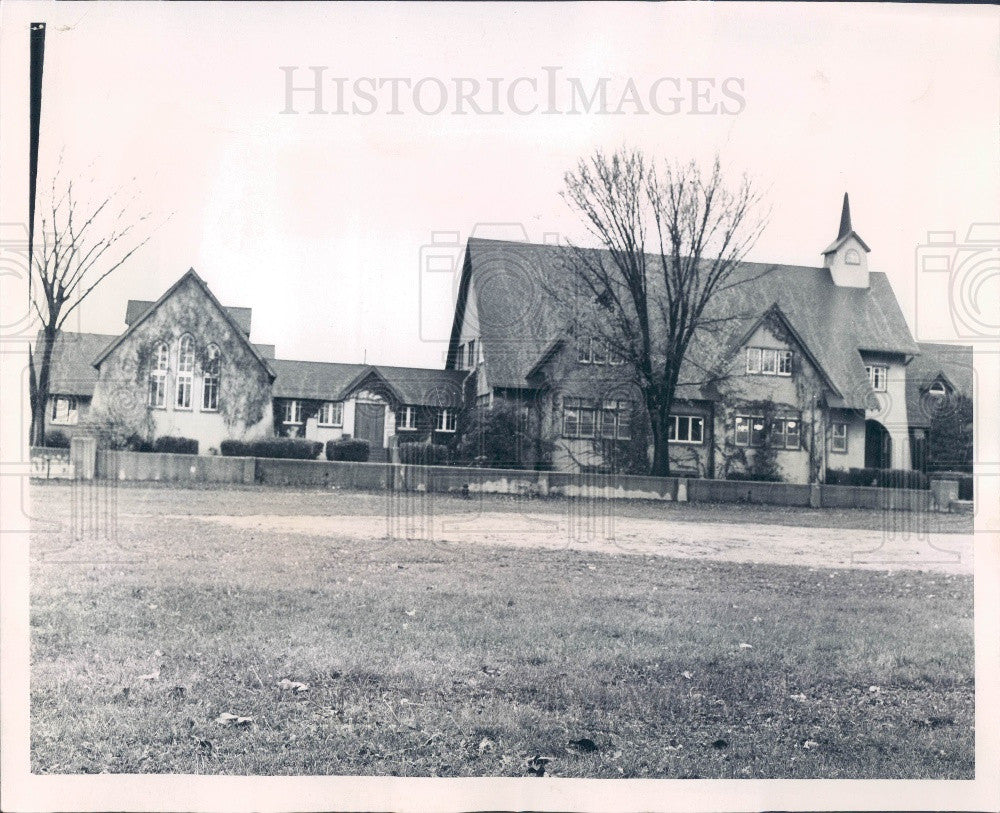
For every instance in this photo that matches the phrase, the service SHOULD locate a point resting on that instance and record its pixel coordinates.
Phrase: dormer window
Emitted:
(937, 388)
(768, 361)
(852, 257)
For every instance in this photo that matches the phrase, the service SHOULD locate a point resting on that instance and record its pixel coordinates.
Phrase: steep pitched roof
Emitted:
(72, 371)
(333, 381)
(518, 319)
(136, 308)
(950, 363)
(189, 275)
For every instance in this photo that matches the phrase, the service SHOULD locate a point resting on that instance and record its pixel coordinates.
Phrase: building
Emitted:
(810, 368)
(185, 366)
(811, 363)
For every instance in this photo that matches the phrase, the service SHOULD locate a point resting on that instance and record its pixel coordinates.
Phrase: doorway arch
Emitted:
(878, 446)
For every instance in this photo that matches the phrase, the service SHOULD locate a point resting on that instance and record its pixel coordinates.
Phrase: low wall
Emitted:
(120, 465)
(174, 468)
(50, 463)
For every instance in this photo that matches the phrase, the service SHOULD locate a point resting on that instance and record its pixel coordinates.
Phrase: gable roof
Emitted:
(136, 308)
(72, 371)
(190, 274)
(518, 320)
(951, 363)
(333, 381)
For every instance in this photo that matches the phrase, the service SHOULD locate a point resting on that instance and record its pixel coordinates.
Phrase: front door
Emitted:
(878, 446)
(369, 424)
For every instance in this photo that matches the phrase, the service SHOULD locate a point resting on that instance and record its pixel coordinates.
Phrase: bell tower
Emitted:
(847, 256)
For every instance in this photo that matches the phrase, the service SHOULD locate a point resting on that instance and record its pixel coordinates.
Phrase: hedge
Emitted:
(424, 454)
(353, 450)
(882, 478)
(175, 445)
(287, 448)
(56, 440)
(751, 477)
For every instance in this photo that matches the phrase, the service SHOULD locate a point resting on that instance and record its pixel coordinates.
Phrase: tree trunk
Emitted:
(661, 448)
(40, 399)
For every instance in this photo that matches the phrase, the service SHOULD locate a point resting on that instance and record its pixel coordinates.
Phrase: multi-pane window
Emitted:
(210, 379)
(838, 436)
(406, 418)
(446, 420)
(64, 409)
(596, 351)
(470, 354)
(158, 376)
(785, 433)
(292, 412)
(750, 430)
(768, 361)
(596, 419)
(686, 429)
(331, 414)
(185, 372)
(877, 376)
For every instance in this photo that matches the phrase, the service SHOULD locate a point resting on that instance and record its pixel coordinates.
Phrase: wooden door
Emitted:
(369, 423)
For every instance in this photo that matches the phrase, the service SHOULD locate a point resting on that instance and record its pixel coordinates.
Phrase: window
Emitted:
(210, 380)
(686, 429)
(331, 414)
(599, 351)
(592, 419)
(158, 376)
(64, 409)
(852, 257)
(838, 437)
(293, 412)
(446, 420)
(877, 376)
(583, 352)
(937, 388)
(185, 372)
(768, 361)
(406, 418)
(749, 430)
(470, 358)
(785, 433)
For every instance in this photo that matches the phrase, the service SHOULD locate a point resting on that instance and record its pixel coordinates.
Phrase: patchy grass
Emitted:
(458, 660)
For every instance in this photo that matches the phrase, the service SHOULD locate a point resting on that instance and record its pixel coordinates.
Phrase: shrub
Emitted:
(861, 477)
(56, 440)
(424, 454)
(901, 478)
(286, 448)
(965, 487)
(175, 445)
(235, 448)
(346, 449)
(137, 443)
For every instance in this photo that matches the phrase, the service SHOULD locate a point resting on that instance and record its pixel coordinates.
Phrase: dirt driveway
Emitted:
(902, 544)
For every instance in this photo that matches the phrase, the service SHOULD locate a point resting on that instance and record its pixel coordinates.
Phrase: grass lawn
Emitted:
(471, 660)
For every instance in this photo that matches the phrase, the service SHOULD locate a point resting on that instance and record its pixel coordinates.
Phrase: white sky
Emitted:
(317, 221)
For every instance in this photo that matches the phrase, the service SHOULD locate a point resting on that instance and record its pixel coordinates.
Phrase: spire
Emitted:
(845, 219)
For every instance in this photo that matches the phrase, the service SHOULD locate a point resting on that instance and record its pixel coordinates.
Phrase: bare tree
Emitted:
(81, 246)
(674, 237)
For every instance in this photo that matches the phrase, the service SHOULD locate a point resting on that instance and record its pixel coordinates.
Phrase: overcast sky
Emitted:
(317, 221)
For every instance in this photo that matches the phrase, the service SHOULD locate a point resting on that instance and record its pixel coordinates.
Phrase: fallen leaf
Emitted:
(810, 744)
(687, 675)
(150, 676)
(485, 744)
(411, 613)
(800, 697)
(536, 764)
(293, 685)
(746, 646)
(874, 689)
(756, 618)
(227, 718)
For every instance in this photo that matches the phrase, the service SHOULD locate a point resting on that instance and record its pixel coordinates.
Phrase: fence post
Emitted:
(682, 489)
(83, 456)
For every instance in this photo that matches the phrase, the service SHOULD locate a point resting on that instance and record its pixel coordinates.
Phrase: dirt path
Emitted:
(900, 545)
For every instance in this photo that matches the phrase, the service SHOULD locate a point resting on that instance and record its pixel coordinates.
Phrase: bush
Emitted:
(965, 487)
(351, 450)
(56, 440)
(862, 477)
(235, 448)
(424, 454)
(137, 443)
(751, 476)
(175, 445)
(286, 448)
(902, 478)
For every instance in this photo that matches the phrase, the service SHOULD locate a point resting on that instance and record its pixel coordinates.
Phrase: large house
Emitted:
(815, 364)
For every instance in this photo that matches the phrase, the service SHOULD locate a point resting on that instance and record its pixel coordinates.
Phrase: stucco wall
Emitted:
(891, 410)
